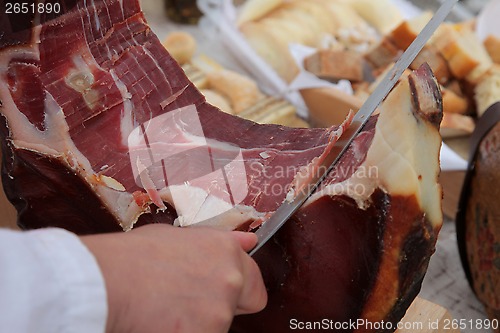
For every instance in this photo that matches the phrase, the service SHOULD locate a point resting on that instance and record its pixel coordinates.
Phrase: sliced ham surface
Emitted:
(95, 89)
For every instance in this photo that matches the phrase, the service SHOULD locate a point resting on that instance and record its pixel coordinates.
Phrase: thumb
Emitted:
(247, 240)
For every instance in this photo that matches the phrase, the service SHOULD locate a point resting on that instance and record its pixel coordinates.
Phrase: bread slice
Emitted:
(381, 14)
(466, 56)
(328, 105)
(380, 73)
(335, 65)
(217, 100)
(181, 46)
(195, 75)
(487, 91)
(311, 18)
(240, 90)
(270, 110)
(296, 122)
(255, 9)
(492, 45)
(344, 16)
(273, 50)
(406, 32)
(314, 15)
(453, 102)
(436, 61)
(456, 125)
(384, 53)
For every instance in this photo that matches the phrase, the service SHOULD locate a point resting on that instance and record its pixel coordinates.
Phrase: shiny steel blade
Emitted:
(288, 208)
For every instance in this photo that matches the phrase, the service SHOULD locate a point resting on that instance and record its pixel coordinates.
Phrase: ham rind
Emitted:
(94, 92)
(357, 251)
(102, 131)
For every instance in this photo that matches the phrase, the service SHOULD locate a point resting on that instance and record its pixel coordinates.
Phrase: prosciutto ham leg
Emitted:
(102, 131)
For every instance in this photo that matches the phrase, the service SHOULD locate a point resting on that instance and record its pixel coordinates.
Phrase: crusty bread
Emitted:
(335, 65)
(455, 125)
(344, 16)
(256, 9)
(320, 101)
(311, 15)
(287, 31)
(296, 122)
(270, 110)
(453, 102)
(382, 54)
(181, 46)
(406, 32)
(492, 45)
(361, 90)
(304, 22)
(381, 14)
(487, 91)
(195, 75)
(217, 100)
(436, 61)
(241, 91)
(271, 49)
(466, 56)
(380, 73)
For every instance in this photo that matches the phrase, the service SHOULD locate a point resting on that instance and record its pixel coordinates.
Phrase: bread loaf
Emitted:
(271, 49)
(217, 100)
(241, 91)
(487, 92)
(381, 14)
(181, 45)
(406, 32)
(335, 65)
(272, 110)
(255, 9)
(304, 22)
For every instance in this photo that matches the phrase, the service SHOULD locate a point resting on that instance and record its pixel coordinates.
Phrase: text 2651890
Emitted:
(32, 8)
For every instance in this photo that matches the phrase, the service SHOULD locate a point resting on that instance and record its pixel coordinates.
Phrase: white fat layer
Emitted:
(127, 122)
(404, 152)
(197, 207)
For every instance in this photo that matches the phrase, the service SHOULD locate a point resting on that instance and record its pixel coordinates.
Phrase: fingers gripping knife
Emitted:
(288, 208)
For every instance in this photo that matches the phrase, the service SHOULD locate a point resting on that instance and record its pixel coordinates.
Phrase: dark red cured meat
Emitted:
(75, 90)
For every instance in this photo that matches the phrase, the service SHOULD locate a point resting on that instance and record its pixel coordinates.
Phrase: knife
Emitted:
(288, 208)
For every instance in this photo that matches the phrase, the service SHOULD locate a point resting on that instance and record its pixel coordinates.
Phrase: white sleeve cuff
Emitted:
(52, 284)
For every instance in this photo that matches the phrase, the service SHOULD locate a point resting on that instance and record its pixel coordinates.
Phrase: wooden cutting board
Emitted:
(426, 317)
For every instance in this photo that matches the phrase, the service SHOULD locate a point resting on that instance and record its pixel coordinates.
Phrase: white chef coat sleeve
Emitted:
(49, 283)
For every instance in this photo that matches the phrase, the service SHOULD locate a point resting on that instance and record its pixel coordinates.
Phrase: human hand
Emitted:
(161, 278)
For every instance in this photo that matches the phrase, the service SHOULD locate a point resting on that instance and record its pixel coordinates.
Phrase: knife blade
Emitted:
(288, 208)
